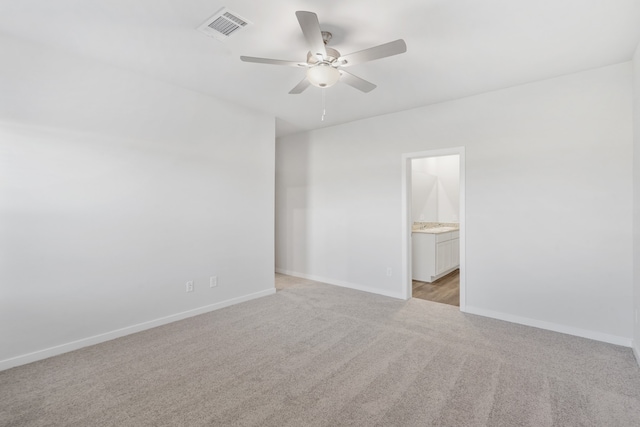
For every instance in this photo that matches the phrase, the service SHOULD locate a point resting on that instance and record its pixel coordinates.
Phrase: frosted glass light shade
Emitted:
(323, 75)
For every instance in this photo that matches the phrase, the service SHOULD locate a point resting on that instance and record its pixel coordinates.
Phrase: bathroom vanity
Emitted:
(435, 252)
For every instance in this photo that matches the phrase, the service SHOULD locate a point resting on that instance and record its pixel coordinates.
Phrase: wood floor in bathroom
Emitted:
(445, 290)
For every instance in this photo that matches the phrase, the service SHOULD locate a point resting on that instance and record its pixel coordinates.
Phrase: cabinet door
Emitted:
(423, 264)
(443, 256)
(455, 253)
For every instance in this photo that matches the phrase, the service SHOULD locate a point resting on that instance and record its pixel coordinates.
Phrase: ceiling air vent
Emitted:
(223, 24)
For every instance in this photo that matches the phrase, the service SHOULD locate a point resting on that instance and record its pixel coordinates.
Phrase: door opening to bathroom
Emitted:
(434, 213)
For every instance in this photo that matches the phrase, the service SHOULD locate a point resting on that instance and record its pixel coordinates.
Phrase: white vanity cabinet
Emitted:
(434, 254)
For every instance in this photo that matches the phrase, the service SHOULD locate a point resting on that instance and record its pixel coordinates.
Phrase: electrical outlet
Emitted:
(213, 281)
(389, 271)
(189, 286)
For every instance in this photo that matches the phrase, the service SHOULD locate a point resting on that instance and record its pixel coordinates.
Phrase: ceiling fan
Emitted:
(325, 66)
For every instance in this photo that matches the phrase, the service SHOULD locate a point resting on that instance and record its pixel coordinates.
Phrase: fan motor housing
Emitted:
(332, 56)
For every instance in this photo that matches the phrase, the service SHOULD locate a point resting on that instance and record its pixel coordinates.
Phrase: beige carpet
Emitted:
(319, 355)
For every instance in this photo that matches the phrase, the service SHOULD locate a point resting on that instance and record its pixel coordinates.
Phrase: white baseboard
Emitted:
(569, 330)
(96, 339)
(636, 351)
(341, 283)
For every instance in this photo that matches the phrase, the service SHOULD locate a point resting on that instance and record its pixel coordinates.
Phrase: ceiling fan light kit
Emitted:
(325, 65)
(323, 75)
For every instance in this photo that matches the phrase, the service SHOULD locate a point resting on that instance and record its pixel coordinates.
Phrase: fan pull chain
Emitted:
(324, 102)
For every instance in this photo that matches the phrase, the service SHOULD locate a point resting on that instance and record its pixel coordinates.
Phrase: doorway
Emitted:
(433, 212)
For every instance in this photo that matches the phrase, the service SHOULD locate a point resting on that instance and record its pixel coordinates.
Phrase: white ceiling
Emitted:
(455, 48)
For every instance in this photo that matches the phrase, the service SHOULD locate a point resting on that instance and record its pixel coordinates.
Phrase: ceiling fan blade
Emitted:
(356, 82)
(272, 61)
(311, 30)
(300, 87)
(382, 51)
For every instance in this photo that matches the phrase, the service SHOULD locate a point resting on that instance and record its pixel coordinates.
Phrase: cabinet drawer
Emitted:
(455, 234)
(443, 237)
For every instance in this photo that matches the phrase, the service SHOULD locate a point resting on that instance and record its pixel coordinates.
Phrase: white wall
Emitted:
(435, 189)
(424, 190)
(636, 201)
(548, 200)
(114, 191)
(448, 188)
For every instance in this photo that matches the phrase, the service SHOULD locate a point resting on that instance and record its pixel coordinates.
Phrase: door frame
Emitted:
(406, 218)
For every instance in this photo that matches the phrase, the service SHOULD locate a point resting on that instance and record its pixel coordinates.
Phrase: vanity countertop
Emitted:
(434, 228)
